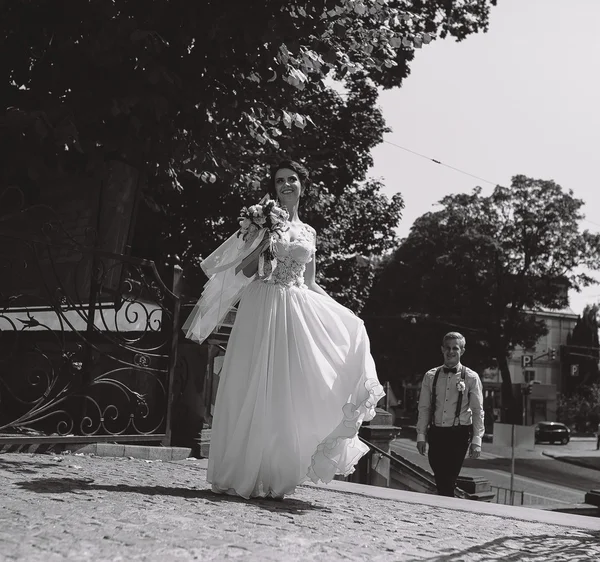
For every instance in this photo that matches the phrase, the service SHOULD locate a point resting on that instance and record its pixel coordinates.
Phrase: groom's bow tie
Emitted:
(449, 370)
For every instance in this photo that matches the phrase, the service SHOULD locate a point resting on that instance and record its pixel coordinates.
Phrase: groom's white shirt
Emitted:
(471, 411)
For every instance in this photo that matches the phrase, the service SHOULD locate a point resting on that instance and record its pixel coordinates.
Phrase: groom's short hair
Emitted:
(455, 336)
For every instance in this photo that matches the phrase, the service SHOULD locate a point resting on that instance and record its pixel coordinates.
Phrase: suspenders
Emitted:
(433, 397)
(460, 397)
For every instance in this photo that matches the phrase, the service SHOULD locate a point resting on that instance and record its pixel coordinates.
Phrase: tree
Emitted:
(581, 409)
(354, 220)
(583, 351)
(360, 226)
(484, 265)
(199, 96)
(173, 86)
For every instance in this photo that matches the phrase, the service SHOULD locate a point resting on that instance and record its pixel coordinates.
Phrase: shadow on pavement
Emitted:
(77, 485)
(26, 467)
(578, 545)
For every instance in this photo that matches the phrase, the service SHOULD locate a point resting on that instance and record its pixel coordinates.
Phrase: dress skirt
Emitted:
(298, 379)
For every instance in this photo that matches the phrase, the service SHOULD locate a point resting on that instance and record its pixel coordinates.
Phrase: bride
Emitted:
(298, 378)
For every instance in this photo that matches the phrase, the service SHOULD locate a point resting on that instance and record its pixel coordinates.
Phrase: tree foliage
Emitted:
(199, 96)
(353, 218)
(483, 264)
(583, 351)
(175, 86)
(581, 410)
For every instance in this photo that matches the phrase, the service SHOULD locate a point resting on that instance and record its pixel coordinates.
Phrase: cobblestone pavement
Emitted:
(76, 507)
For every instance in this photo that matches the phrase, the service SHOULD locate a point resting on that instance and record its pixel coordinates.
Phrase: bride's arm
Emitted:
(252, 266)
(249, 265)
(310, 278)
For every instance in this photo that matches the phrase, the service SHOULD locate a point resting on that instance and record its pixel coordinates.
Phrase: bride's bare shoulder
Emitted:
(310, 229)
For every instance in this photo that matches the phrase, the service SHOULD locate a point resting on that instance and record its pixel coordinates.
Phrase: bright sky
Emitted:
(522, 99)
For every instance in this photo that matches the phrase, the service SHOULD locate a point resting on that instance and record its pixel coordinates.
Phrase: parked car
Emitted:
(552, 432)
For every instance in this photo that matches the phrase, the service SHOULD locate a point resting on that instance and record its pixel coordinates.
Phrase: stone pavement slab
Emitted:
(81, 507)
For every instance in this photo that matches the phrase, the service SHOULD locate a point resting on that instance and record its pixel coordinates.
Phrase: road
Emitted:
(543, 480)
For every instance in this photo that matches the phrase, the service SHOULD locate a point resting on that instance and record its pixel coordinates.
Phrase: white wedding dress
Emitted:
(297, 381)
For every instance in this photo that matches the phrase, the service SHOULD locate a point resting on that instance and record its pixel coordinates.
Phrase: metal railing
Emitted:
(414, 471)
(507, 496)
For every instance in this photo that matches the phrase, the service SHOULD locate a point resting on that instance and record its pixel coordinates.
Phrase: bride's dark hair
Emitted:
(290, 165)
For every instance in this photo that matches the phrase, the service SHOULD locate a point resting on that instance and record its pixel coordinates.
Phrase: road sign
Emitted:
(574, 370)
(526, 361)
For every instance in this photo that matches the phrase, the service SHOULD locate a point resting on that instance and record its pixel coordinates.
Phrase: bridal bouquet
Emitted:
(262, 215)
(271, 217)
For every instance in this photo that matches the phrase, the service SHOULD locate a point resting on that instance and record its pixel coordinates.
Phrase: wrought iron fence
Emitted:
(88, 341)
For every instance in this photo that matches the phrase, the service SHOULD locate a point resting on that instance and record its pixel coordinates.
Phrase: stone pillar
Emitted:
(189, 405)
(593, 498)
(374, 468)
(477, 487)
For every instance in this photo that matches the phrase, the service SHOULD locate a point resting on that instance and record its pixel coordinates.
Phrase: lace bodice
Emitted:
(292, 257)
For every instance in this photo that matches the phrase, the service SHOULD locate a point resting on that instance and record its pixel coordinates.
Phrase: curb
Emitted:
(583, 509)
(530, 514)
(144, 452)
(577, 461)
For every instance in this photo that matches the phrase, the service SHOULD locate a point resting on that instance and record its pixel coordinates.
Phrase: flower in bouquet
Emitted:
(268, 215)
(275, 217)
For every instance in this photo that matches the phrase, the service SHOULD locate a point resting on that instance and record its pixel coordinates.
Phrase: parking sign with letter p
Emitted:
(526, 361)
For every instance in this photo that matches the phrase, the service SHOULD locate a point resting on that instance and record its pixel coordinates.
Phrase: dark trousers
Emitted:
(447, 449)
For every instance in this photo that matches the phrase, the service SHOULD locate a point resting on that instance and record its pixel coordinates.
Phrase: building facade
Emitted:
(536, 372)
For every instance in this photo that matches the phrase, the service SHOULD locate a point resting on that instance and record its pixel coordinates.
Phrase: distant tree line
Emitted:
(481, 265)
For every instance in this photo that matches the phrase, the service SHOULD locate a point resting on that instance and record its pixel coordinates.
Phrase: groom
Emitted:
(450, 415)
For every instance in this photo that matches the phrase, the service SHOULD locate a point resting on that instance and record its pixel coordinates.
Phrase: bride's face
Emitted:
(287, 186)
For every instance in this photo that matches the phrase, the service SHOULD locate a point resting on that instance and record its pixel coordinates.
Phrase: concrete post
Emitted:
(374, 468)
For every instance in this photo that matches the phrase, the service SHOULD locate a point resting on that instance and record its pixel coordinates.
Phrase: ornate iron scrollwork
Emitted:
(86, 339)
(141, 360)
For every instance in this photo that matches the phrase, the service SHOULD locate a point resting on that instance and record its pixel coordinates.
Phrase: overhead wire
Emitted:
(454, 168)
(459, 170)
(435, 161)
